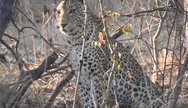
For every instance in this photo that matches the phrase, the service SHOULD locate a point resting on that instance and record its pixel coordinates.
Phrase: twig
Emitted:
(60, 63)
(180, 30)
(112, 53)
(167, 44)
(28, 80)
(35, 29)
(137, 14)
(177, 89)
(154, 41)
(117, 33)
(82, 52)
(59, 88)
(107, 35)
(51, 16)
(55, 70)
(20, 62)
(11, 37)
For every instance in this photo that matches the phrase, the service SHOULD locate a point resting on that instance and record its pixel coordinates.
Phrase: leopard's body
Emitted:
(130, 85)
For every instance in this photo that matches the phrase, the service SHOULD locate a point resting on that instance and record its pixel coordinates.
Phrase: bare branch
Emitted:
(82, 52)
(28, 80)
(59, 88)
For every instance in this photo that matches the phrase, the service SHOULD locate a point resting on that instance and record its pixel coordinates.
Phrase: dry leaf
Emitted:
(126, 29)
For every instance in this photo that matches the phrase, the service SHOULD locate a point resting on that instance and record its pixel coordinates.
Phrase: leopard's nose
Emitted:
(63, 25)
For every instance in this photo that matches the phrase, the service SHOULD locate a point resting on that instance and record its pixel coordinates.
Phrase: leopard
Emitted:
(108, 73)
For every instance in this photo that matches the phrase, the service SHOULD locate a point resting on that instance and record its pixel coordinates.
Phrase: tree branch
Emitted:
(28, 80)
(59, 88)
(177, 89)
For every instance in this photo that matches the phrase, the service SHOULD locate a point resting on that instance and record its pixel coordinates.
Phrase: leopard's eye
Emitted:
(72, 11)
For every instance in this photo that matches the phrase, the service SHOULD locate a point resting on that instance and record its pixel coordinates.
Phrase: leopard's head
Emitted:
(71, 21)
